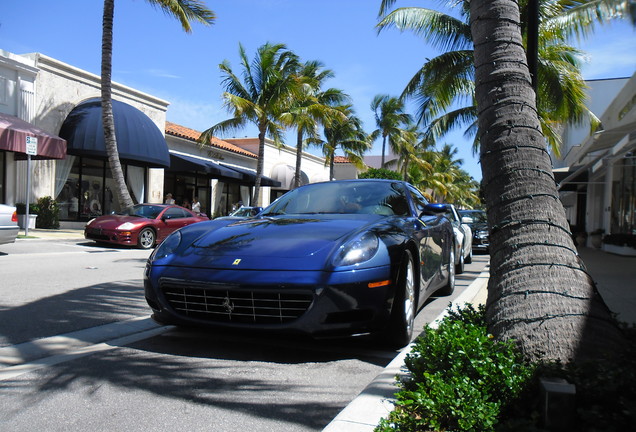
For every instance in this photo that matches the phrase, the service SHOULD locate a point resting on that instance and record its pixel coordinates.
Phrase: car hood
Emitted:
(113, 221)
(271, 243)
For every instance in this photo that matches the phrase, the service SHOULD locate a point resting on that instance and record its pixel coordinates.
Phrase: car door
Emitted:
(172, 219)
(430, 242)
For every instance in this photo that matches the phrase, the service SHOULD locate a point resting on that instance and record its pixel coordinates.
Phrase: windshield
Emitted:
(245, 212)
(140, 210)
(346, 197)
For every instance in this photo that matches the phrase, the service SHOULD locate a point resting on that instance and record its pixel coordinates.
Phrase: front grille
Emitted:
(96, 234)
(230, 304)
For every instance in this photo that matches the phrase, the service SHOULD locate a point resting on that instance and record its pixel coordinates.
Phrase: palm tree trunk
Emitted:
(383, 150)
(108, 121)
(538, 292)
(299, 157)
(331, 163)
(259, 166)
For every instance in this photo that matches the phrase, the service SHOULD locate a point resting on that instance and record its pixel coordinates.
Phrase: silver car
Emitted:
(8, 224)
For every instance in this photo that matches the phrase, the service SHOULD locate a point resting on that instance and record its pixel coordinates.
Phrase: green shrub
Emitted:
(48, 213)
(21, 208)
(460, 378)
(380, 173)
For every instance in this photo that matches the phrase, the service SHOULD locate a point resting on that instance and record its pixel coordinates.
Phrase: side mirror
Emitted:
(467, 220)
(433, 209)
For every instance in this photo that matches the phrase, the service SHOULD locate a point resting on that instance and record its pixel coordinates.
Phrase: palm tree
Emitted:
(262, 97)
(445, 179)
(390, 120)
(412, 148)
(448, 78)
(183, 10)
(312, 106)
(344, 133)
(538, 292)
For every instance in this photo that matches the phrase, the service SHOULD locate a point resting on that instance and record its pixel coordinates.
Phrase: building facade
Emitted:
(158, 157)
(596, 173)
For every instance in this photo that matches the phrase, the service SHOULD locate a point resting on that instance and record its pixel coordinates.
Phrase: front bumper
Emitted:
(318, 303)
(128, 238)
(481, 242)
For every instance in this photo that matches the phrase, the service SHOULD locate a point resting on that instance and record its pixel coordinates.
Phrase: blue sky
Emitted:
(153, 54)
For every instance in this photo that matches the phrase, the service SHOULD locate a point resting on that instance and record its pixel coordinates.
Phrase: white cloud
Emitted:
(161, 74)
(611, 53)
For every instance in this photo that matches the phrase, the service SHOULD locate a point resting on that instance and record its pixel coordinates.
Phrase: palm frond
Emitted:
(443, 31)
(186, 11)
(225, 126)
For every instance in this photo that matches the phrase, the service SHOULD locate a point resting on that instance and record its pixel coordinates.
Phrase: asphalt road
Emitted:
(64, 366)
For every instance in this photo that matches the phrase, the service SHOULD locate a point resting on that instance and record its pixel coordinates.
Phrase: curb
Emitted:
(376, 401)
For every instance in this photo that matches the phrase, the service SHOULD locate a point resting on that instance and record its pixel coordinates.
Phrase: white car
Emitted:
(8, 224)
(463, 238)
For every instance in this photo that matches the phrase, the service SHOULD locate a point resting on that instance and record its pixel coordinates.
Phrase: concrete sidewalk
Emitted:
(615, 278)
(52, 234)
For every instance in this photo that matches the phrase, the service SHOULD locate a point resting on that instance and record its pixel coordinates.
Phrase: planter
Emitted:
(620, 250)
(596, 240)
(22, 221)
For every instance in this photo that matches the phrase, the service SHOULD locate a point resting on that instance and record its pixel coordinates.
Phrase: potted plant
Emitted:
(33, 214)
(620, 244)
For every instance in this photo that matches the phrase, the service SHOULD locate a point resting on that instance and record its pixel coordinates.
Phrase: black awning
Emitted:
(184, 163)
(139, 140)
(250, 176)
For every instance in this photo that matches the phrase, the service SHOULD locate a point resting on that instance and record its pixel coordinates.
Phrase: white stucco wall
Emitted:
(601, 93)
(313, 166)
(344, 171)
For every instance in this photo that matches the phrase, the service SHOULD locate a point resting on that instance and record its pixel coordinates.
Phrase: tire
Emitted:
(459, 268)
(146, 239)
(469, 258)
(400, 330)
(449, 288)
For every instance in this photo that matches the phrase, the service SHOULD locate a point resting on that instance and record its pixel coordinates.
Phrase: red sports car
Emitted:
(143, 225)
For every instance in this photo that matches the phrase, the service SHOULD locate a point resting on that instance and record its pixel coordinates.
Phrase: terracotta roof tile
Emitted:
(341, 159)
(193, 135)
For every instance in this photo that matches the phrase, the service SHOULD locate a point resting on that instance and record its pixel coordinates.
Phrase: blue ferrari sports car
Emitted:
(326, 259)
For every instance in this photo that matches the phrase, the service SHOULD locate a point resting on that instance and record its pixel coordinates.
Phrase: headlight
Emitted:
(167, 247)
(127, 226)
(358, 250)
(481, 234)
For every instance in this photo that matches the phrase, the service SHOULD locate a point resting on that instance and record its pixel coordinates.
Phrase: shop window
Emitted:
(624, 196)
(85, 187)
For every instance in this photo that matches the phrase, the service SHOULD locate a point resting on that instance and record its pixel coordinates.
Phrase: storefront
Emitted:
(84, 186)
(21, 140)
(597, 174)
(624, 195)
(219, 187)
